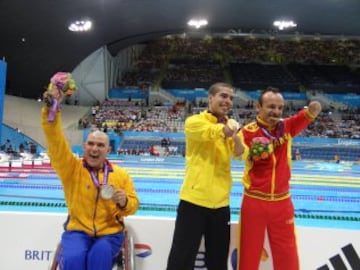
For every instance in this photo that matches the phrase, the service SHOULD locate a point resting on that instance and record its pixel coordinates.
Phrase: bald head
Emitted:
(98, 134)
(96, 148)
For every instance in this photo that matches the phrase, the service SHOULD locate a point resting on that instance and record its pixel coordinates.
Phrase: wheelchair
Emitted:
(124, 261)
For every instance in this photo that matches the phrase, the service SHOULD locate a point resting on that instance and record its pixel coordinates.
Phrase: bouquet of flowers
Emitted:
(61, 84)
(259, 148)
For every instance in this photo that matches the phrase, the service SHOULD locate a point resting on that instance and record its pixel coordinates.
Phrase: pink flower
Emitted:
(63, 82)
(262, 140)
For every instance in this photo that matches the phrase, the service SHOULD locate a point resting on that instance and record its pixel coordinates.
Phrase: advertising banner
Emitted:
(28, 241)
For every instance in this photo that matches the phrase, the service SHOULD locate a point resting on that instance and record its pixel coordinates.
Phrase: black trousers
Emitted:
(193, 222)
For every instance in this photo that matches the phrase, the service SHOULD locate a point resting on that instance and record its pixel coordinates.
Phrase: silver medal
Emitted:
(107, 192)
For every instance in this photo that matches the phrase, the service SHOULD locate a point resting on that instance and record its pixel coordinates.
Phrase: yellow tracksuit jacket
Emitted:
(208, 179)
(87, 211)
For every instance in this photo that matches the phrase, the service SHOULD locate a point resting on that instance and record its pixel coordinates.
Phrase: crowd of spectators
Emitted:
(118, 116)
(175, 61)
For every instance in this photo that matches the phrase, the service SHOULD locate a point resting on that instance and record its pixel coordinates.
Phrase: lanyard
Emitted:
(279, 131)
(95, 179)
(221, 120)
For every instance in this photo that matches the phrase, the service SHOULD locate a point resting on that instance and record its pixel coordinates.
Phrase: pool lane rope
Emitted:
(170, 208)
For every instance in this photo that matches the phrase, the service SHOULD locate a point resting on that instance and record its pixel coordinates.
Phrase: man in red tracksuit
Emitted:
(266, 204)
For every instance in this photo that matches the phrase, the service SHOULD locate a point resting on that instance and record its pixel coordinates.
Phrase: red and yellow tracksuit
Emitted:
(266, 204)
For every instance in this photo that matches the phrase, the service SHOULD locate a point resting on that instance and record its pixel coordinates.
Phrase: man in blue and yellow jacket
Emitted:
(98, 195)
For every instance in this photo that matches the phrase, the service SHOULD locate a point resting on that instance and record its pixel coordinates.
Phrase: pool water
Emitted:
(324, 194)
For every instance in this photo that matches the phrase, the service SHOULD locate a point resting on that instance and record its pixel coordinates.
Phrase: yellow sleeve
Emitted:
(59, 151)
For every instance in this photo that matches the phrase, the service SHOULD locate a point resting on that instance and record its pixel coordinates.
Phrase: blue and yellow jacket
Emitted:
(87, 211)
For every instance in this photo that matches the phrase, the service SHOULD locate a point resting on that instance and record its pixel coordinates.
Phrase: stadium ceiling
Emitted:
(35, 40)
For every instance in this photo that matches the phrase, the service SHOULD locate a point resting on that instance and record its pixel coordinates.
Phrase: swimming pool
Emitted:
(324, 194)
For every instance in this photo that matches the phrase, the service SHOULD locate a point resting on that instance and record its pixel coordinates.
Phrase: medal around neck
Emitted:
(106, 192)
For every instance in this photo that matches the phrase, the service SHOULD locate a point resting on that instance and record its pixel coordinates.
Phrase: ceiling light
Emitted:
(197, 23)
(80, 26)
(281, 25)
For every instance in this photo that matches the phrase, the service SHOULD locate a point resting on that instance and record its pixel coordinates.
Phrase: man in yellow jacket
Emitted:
(204, 210)
(98, 195)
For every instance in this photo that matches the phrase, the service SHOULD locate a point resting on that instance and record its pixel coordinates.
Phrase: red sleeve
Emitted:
(297, 123)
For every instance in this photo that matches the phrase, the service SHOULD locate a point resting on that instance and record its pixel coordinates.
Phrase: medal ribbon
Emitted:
(279, 131)
(221, 120)
(95, 179)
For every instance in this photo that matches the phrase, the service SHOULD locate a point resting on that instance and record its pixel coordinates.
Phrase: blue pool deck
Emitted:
(325, 194)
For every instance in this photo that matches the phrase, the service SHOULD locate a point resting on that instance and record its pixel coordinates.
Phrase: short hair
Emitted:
(274, 90)
(215, 88)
